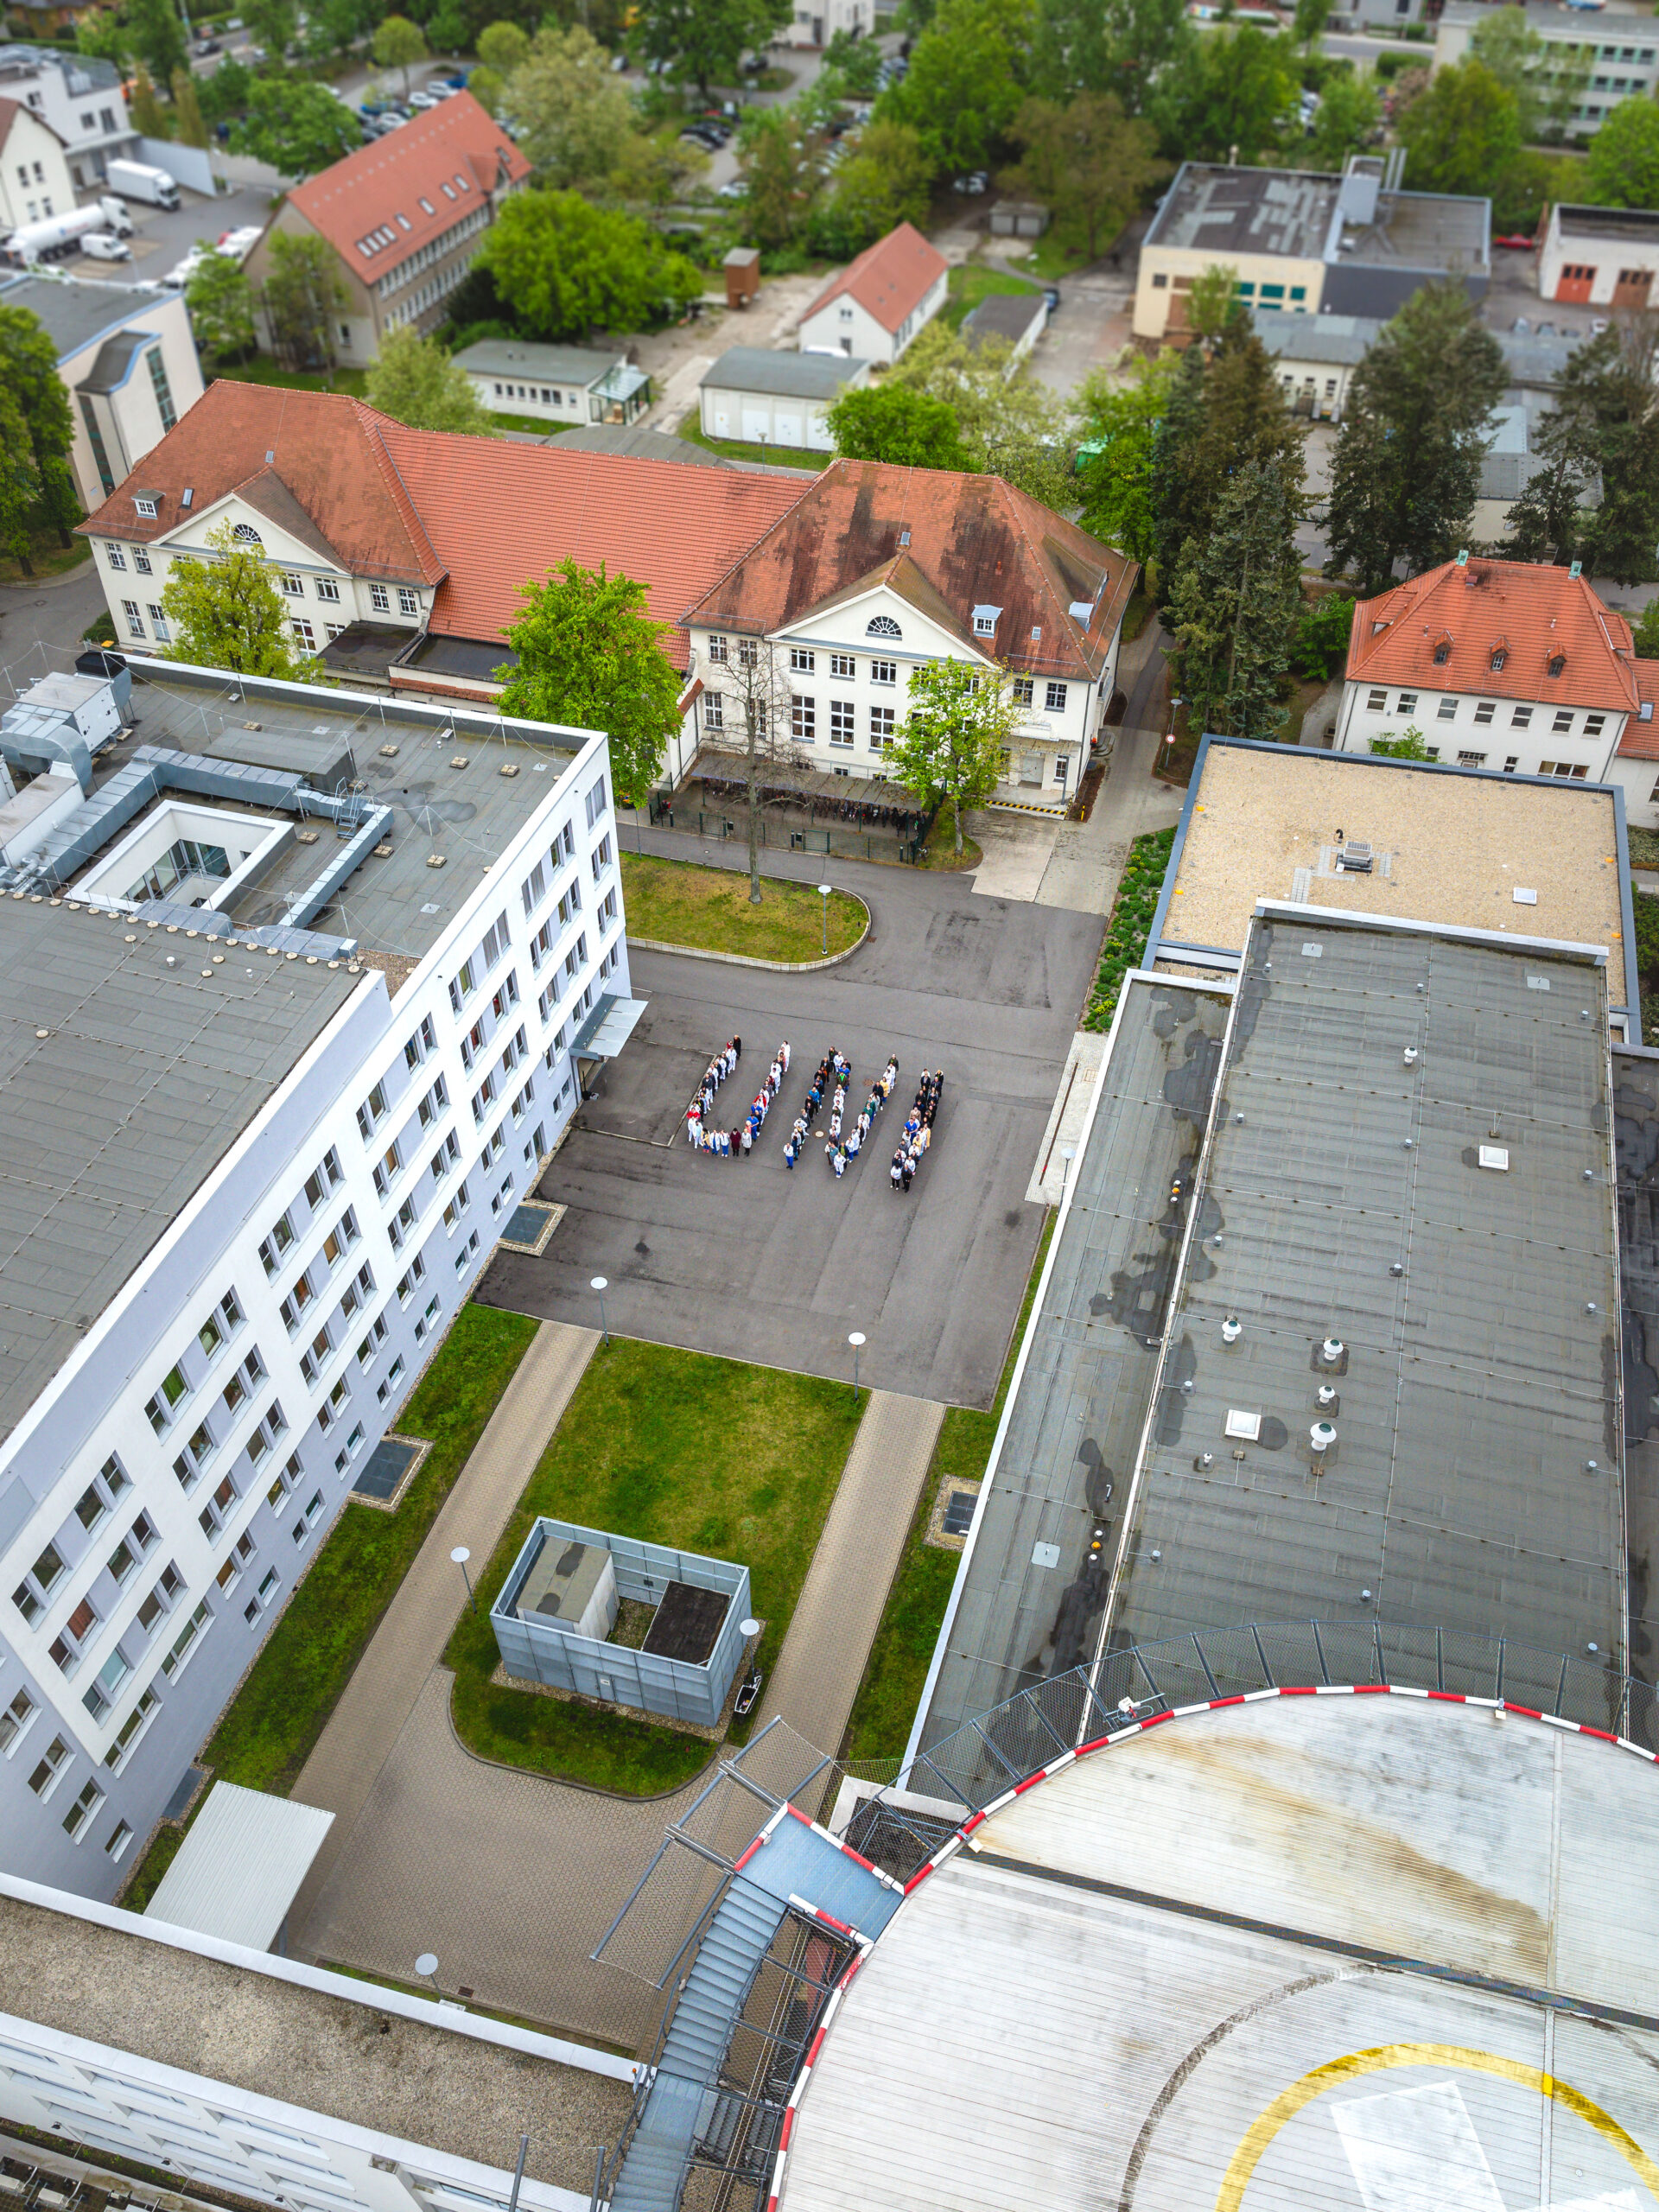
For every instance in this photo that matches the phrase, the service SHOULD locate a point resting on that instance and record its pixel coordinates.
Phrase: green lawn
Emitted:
(884, 1708)
(47, 557)
(266, 1733)
(673, 1447)
(262, 370)
(740, 449)
(970, 284)
(939, 850)
(676, 902)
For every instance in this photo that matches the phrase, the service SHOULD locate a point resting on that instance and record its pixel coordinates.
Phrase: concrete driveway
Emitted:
(755, 1261)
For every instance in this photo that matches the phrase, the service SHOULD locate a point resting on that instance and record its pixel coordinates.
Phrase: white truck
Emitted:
(55, 235)
(141, 181)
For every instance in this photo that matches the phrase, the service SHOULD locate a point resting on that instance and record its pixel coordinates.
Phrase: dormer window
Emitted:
(1500, 658)
(985, 621)
(882, 626)
(1556, 664)
(144, 503)
(1442, 652)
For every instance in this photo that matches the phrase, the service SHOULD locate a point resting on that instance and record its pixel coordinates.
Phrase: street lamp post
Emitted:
(823, 893)
(856, 1340)
(460, 1556)
(602, 1284)
(427, 1967)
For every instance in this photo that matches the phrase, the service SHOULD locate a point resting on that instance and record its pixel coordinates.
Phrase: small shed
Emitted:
(742, 267)
(1016, 319)
(241, 1867)
(763, 397)
(1019, 218)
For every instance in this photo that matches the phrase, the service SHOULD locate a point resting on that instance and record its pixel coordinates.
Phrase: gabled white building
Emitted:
(878, 301)
(34, 180)
(80, 99)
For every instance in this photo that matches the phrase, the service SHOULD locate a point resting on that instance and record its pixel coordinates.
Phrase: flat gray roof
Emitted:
(503, 357)
(664, 445)
(73, 314)
(1475, 1482)
(1591, 26)
(1342, 340)
(1639, 224)
(1424, 230)
(789, 376)
(1222, 211)
(145, 1077)
(1005, 314)
(394, 904)
(241, 1865)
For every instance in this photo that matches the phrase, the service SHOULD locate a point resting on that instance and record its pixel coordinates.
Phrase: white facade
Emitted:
(1522, 737)
(847, 672)
(1600, 257)
(1619, 53)
(182, 1466)
(116, 426)
(844, 325)
(816, 24)
(82, 101)
(35, 179)
(321, 597)
(769, 418)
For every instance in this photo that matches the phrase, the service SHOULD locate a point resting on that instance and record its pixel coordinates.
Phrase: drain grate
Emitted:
(959, 1513)
(384, 1469)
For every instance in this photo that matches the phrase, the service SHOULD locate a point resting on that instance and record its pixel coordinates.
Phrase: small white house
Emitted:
(878, 301)
(554, 384)
(34, 179)
(1600, 257)
(764, 398)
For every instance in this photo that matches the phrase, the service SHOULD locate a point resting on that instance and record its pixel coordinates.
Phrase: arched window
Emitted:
(882, 626)
(1556, 664)
(246, 534)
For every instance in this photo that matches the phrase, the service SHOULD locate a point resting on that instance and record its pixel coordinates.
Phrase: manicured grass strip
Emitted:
(744, 449)
(676, 1448)
(678, 902)
(262, 370)
(1131, 923)
(970, 284)
(887, 1697)
(266, 1736)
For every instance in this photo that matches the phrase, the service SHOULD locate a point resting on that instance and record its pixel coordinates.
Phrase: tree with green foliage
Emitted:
(1607, 394)
(503, 48)
(28, 372)
(189, 126)
(658, 168)
(415, 381)
(1212, 302)
(1232, 100)
(1464, 135)
(1321, 643)
(703, 42)
(221, 300)
(962, 719)
(1535, 70)
(1622, 167)
(1236, 603)
(1087, 162)
(781, 163)
(274, 25)
(571, 269)
(1349, 117)
(967, 79)
(1408, 747)
(1307, 26)
(1226, 410)
(225, 95)
(1122, 47)
(1118, 435)
(1009, 425)
(303, 298)
(157, 38)
(144, 106)
(399, 44)
(855, 64)
(883, 182)
(105, 37)
(228, 611)
(588, 655)
(20, 483)
(573, 114)
(1406, 465)
(298, 127)
(1646, 633)
(892, 422)
(489, 89)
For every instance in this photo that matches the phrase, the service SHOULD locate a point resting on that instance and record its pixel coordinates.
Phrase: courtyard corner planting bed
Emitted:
(1131, 923)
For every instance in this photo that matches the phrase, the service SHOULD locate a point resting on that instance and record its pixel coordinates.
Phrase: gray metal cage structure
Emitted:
(539, 1649)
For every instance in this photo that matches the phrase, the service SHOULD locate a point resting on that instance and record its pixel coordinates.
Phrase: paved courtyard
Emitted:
(754, 1262)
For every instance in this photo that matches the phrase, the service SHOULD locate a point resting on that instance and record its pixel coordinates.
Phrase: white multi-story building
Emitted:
(1509, 666)
(284, 1045)
(1614, 50)
(876, 570)
(80, 98)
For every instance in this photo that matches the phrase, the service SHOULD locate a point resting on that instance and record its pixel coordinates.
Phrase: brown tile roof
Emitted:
(413, 184)
(974, 541)
(319, 456)
(477, 517)
(1529, 613)
(1641, 739)
(888, 278)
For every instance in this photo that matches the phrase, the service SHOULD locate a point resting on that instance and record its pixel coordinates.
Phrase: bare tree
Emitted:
(759, 707)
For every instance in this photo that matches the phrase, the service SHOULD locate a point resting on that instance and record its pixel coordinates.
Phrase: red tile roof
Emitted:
(477, 517)
(972, 541)
(406, 189)
(1641, 739)
(888, 278)
(502, 515)
(1529, 613)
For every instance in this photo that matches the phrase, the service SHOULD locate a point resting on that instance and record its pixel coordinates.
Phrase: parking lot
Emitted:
(753, 1261)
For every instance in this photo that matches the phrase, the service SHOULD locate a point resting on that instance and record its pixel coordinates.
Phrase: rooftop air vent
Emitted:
(508, 768)
(1232, 1328)
(1356, 857)
(305, 837)
(1322, 1435)
(458, 761)
(1331, 1349)
(1239, 1423)
(435, 860)
(389, 752)
(1496, 1156)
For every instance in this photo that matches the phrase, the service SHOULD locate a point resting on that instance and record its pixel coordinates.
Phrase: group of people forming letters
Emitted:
(738, 1141)
(829, 1084)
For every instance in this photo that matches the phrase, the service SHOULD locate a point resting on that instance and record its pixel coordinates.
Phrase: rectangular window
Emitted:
(1512, 764)
(135, 620)
(800, 660)
(120, 1837)
(804, 718)
(718, 649)
(130, 1728)
(327, 589)
(842, 664)
(1471, 759)
(880, 727)
(15, 1718)
(1023, 690)
(75, 1818)
(714, 710)
(305, 634)
(748, 652)
(409, 602)
(115, 554)
(162, 389)
(380, 599)
(56, 1758)
(1377, 700)
(884, 671)
(1485, 709)
(1594, 725)
(841, 712)
(276, 1244)
(1054, 701)
(292, 585)
(1562, 723)
(140, 561)
(180, 1648)
(1448, 711)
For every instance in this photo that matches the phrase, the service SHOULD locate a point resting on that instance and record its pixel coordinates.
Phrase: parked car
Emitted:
(736, 189)
(423, 100)
(1051, 298)
(1517, 243)
(204, 46)
(456, 79)
(973, 184)
(104, 245)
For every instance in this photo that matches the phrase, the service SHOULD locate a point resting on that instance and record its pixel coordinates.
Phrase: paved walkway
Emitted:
(377, 1700)
(833, 1625)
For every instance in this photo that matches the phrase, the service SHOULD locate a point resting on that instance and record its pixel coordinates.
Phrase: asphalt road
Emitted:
(756, 1262)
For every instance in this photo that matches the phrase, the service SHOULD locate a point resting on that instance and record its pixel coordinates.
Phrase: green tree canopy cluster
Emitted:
(227, 612)
(570, 268)
(37, 486)
(298, 127)
(1597, 497)
(960, 722)
(415, 381)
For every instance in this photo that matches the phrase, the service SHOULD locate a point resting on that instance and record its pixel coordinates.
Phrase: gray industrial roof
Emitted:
(1222, 211)
(146, 1075)
(1342, 340)
(73, 314)
(1475, 1483)
(109, 371)
(1005, 314)
(788, 376)
(1638, 223)
(503, 357)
